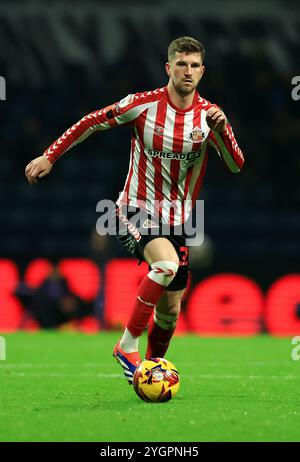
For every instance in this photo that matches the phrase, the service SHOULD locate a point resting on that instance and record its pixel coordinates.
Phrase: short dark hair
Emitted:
(185, 45)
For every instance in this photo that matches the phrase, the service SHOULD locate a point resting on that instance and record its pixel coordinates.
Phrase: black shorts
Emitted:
(134, 235)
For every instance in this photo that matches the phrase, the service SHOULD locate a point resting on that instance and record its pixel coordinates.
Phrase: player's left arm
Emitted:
(222, 138)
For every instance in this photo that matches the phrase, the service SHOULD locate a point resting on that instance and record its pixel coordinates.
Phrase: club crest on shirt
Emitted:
(196, 135)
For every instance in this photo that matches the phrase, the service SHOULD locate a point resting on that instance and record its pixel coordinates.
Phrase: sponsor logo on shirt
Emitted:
(126, 101)
(123, 103)
(189, 156)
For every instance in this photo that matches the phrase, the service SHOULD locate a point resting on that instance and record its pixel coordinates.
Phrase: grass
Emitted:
(58, 386)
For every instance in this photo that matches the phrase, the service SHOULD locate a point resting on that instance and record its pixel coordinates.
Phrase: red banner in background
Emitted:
(11, 311)
(223, 304)
(282, 306)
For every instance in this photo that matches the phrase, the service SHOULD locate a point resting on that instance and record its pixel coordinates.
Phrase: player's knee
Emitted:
(174, 302)
(163, 272)
(165, 321)
(174, 310)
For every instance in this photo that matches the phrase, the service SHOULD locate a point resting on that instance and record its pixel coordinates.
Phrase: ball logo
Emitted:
(157, 376)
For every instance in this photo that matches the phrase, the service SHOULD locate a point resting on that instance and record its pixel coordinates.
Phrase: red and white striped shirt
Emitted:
(168, 150)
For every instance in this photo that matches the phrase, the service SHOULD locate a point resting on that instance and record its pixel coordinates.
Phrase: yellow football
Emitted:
(156, 380)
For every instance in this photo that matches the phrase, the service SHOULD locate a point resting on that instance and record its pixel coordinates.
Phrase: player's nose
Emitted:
(188, 71)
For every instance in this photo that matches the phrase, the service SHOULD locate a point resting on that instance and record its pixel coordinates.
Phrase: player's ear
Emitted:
(168, 69)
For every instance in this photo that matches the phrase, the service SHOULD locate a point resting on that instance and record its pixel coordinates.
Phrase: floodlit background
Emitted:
(61, 60)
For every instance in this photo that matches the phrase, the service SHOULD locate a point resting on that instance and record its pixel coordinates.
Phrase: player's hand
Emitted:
(37, 168)
(216, 119)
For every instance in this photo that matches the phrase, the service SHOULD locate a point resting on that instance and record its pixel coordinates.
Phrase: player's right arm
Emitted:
(122, 112)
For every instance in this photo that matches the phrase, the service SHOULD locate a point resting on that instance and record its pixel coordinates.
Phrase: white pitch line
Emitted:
(60, 374)
(192, 376)
(243, 377)
(179, 364)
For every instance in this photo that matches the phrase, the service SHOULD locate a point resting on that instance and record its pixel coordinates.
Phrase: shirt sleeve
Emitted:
(123, 112)
(227, 148)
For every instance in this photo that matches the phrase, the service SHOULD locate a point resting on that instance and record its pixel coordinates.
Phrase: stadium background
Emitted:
(62, 60)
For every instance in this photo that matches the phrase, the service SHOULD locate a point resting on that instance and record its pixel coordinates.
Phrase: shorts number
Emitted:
(184, 256)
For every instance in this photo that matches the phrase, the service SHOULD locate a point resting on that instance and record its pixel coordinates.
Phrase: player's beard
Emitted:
(184, 90)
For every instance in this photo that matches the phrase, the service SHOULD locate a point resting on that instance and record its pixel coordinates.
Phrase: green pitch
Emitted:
(67, 387)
